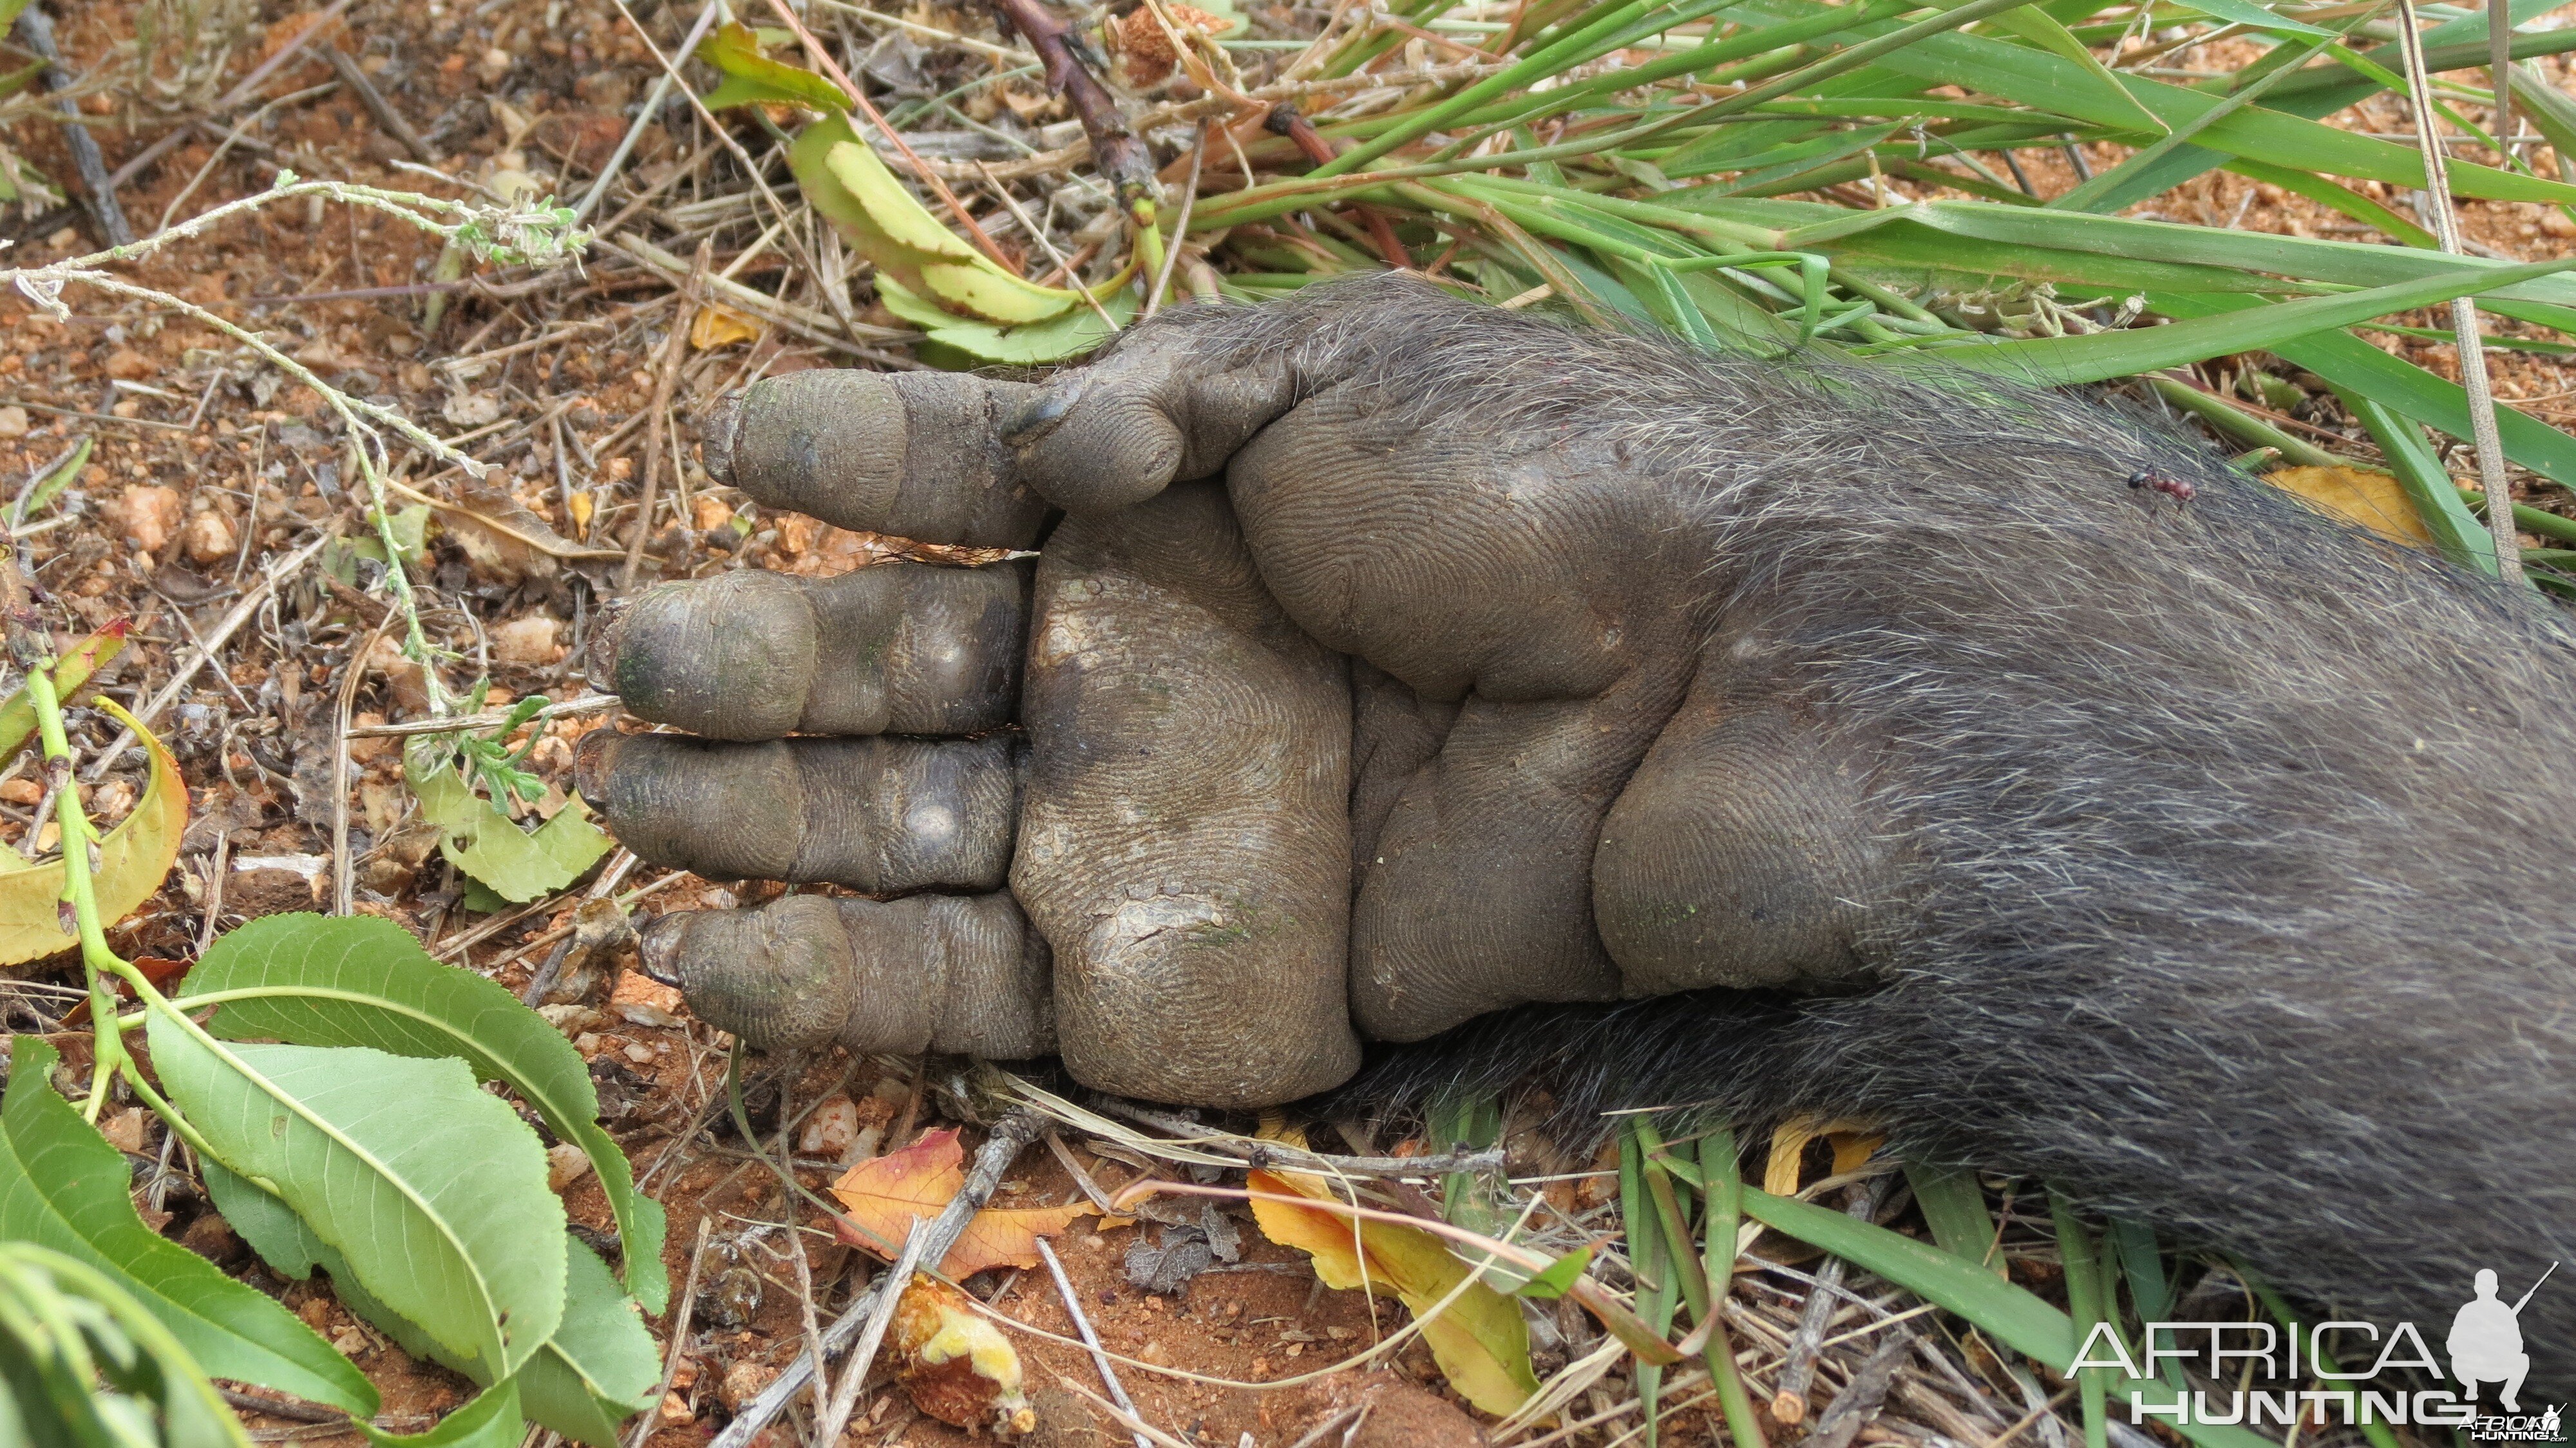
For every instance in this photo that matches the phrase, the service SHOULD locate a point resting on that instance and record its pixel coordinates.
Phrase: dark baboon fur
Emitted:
(2231, 899)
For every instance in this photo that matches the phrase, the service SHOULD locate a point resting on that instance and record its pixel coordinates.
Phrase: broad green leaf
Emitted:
(2058, 361)
(62, 1186)
(363, 981)
(492, 1420)
(83, 1364)
(598, 1369)
(1075, 333)
(431, 1187)
(749, 76)
(479, 839)
(131, 862)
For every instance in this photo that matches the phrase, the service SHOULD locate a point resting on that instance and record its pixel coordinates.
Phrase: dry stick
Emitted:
(1844, 1417)
(250, 603)
(2464, 311)
(667, 372)
(36, 32)
(249, 87)
(920, 167)
(1082, 1325)
(1789, 1398)
(616, 161)
(679, 1339)
(1181, 225)
(1114, 148)
(933, 1239)
(2500, 75)
(380, 110)
(845, 1396)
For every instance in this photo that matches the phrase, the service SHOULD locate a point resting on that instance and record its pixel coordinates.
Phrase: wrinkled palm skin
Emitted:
(1761, 734)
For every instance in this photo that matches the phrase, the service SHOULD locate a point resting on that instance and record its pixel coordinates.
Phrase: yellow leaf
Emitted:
(905, 221)
(1853, 1143)
(715, 327)
(132, 862)
(1479, 1338)
(885, 1195)
(989, 292)
(883, 222)
(2357, 495)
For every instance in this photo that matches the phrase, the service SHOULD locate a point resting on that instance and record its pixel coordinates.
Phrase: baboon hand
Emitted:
(1338, 704)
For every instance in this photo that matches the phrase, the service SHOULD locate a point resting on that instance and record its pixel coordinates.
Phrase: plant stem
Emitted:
(98, 962)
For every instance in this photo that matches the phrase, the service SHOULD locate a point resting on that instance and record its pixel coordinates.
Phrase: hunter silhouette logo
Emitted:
(2286, 1377)
(2486, 1341)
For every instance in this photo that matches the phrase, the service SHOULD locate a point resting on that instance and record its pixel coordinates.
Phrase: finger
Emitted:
(916, 454)
(1185, 845)
(959, 974)
(901, 648)
(1739, 854)
(879, 815)
(950, 459)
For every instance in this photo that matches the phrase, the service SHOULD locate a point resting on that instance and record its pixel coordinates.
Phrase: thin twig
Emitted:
(1180, 225)
(1114, 148)
(1082, 1324)
(248, 87)
(666, 372)
(343, 879)
(680, 1310)
(661, 92)
(380, 110)
(2464, 311)
(36, 33)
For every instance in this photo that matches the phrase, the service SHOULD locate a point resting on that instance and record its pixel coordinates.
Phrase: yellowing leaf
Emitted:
(2357, 495)
(885, 1195)
(18, 716)
(954, 1364)
(715, 327)
(1479, 1338)
(752, 78)
(882, 221)
(132, 862)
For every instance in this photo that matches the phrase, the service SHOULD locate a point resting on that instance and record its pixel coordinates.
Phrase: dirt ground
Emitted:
(210, 469)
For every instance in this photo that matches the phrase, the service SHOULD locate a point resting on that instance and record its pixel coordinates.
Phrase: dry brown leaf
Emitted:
(2357, 495)
(1853, 1143)
(885, 1195)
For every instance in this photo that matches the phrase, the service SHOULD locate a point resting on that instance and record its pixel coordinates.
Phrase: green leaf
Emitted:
(2462, 536)
(18, 715)
(490, 1421)
(1955, 1209)
(1558, 1276)
(2245, 12)
(2059, 361)
(487, 844)
(749, 76)
(270, 1226)
(19, 79)
(41, 491)
(599, 1368)
(431, 1187)
(62, 1186)
(363, 981)
(1073, 334)
(83, 1363)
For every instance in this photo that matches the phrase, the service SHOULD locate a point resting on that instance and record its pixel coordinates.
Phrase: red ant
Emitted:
(2180, 489)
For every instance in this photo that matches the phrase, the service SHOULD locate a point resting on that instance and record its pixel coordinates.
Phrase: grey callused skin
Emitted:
(1768, 735)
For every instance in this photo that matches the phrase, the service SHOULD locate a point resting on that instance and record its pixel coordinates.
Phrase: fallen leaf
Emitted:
(487, 844)
(1479, 1338)
(953, 1364)
(885, 1195)
(132, 861)
(2357, 495)
(1853, 1143)
(715, 327)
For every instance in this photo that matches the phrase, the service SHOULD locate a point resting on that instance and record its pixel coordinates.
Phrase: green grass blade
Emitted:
(1954, 1207)
(2059, 361)
(2456, 531)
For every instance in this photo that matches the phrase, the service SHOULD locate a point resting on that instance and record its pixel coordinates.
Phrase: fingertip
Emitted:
(1033, 419)
(718, 427)
(594, 759)
(659, 949)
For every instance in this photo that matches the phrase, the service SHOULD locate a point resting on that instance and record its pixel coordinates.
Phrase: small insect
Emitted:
(2181, 489)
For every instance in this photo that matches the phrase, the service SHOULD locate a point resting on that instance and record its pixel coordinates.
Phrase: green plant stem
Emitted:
(2089, 1304)
(98, 962)
(1721, 1216)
